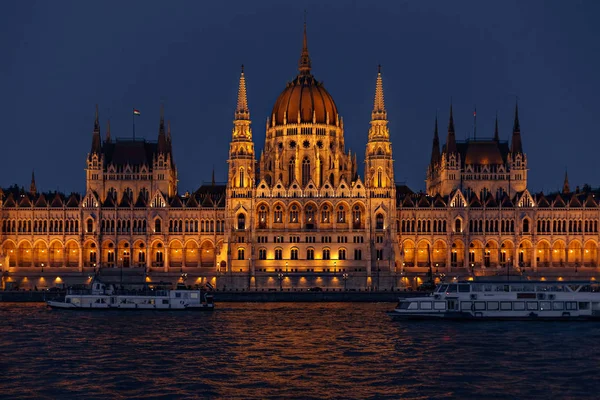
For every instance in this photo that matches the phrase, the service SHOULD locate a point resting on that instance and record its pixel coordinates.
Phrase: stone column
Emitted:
(466, 256)
(166, 259)
(534, 258)
(65, 256)
(80, 261)
(515, 260)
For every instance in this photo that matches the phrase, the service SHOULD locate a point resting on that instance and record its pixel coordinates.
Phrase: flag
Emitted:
(136, 112)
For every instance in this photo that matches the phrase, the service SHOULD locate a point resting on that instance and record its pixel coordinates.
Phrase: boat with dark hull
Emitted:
(106, 297)
(505, 300)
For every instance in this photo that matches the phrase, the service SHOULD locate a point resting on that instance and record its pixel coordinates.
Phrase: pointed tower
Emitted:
(496, 134)
(96, 140)
(566, 189)
(515, 145)
(164, 170)
(304, 63)
(451, 138)
(95, 159)
(517, 160)
(32, 188)
(379, 168)
(241, 150)
(108, 138)
(435, 150)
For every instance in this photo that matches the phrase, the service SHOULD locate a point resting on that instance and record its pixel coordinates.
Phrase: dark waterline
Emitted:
(285, 350)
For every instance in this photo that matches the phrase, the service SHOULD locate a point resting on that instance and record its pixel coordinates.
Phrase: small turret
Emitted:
(96, 140)
(162, 138)
(566, 188)
(435, 150)
(451, 139)
(516, 146)
(32, 187)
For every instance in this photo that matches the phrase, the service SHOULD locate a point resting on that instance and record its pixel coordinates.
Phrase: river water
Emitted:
(285, 350)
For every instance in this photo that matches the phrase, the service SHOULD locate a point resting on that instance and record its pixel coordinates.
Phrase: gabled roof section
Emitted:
(141, 201)
(108, 202)
(439, 201)
(10, 201)
(176, 202)
(125, 201)
(474, 201)
(41, 201)
(525, 199)
(457, 199)
(506, 201)
(73, 201)
(408, 202)
(423, 201)
(574, 202)
(590, 201)
(558, 201)
(25, 202)
(57, 201)
(542, 201)
(191, 202)
(490, 201)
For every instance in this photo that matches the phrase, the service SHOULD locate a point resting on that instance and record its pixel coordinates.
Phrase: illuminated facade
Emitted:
(299, 215)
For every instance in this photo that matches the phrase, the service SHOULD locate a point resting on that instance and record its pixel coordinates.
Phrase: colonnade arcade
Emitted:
(110, 254)
(499, 254)
(310, 215)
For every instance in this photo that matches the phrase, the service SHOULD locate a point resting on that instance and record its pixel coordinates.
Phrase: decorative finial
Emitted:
(304, 64)
(242, 112)
(379, 104)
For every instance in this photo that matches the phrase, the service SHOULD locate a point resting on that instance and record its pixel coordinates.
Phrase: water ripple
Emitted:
(272, 351)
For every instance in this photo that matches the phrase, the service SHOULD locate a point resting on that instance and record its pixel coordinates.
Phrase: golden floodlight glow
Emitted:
(58, 279)
(148, 279)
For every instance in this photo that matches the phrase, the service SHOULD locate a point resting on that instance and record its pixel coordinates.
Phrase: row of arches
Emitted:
(499, 254)
(109, 254)
(40, 226)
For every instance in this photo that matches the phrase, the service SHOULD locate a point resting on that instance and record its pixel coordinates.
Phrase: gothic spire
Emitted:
(242, 112)
(32, 187)
(451, 139)
(108, 139)
(566, 188)
(96, 141)
(435, 151)
(379, 130)
(516, 145)
(162, 138)
(379, 112)
(496, 135)
(304, 63)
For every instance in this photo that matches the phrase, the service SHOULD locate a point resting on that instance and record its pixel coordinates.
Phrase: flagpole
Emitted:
(133, 120)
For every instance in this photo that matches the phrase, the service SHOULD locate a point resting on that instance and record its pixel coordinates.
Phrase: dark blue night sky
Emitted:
(60, 58)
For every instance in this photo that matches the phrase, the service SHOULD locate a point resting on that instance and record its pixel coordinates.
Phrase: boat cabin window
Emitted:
(479, 305)
(404, 305)
(519, 305)
(193, 295)
(177, 295)
(413, 306)
(464, 288)
(584, 305)
(443, 288)
(505, 305)
(545, 306)
(558, 305)
(439, 305)
(452, 288)
(493, 305)
(466, 305)
(425, 305)
(165, 301)
(570, 305)
(532, 305)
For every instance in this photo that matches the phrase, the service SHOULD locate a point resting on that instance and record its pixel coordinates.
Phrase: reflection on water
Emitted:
(329, 350)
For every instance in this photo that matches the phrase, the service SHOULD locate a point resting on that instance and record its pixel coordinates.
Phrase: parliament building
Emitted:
(298, 215)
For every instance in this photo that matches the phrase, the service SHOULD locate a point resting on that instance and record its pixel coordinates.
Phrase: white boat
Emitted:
(106, 297)
(510, 300)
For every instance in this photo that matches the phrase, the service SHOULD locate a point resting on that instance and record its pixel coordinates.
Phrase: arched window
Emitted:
(309, 215)
(356, 216)
(278, 215)
(457, 226)
(379, 177)
(241, 177)
(241, 221)
(325, 214)
(379, 221)
(341, 254)
(262, 254)
(341, 214)
(305, 171)
(320, 171)
(278, 254)
(292, 170)
(240, 254)
(157, 225)
(294, 254)
(310, 254)
(326, 254)
(90, 225)
(262, 217)
(294, 214)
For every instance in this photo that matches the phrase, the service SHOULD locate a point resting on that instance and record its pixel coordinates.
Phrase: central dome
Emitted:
(304, 100)
(307, 97)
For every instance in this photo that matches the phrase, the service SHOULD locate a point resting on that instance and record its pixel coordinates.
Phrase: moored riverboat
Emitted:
(508, 300)
(101, 296)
